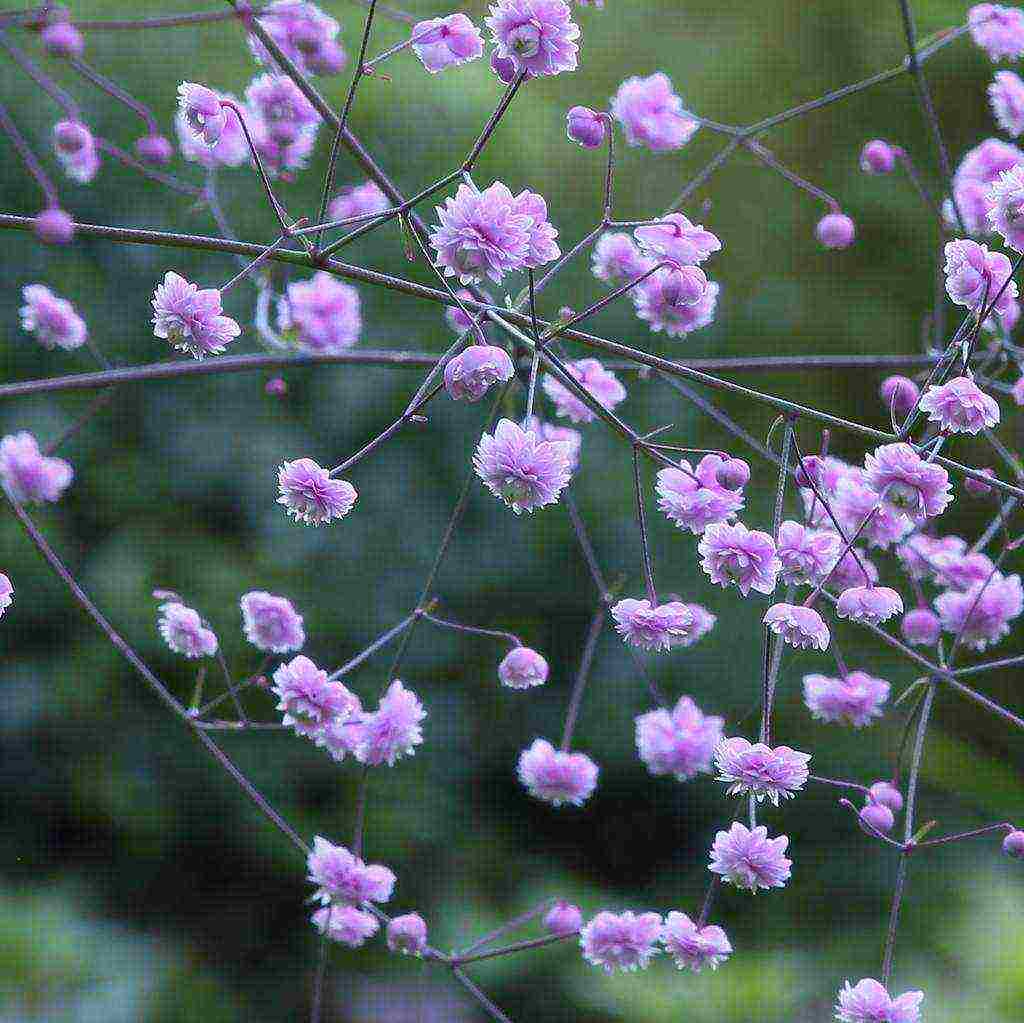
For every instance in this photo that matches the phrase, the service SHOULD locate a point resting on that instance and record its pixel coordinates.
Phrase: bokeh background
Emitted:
(136, 882)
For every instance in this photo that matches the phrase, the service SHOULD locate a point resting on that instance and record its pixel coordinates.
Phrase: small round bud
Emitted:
(154, 149)
(899, 392)
(975, 487)
(733, 474)
(808, 471)
(884, 793)
(585, 127)
(563, 918)
(835, 231)
(54, 227)
(523, 668)
(566, 312)
(62, 39)
(407, 934)
(877, 157)
(921, 627)
(275, 387)
(878, 816)
(1013, 845)
(71, 137)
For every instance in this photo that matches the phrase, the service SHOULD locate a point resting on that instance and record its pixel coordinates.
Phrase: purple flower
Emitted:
(308, 698)
(29, 475)
(975, 276)
(521, 469)
(703, 623)
(869, 1002)
(570, 439)
(651, 114)
(694, 503)
(998, 30)
(346, 924)
(358, 201)
(1013, 845)
(280, 104)
(191, 318)
(693, 946)
(921, 627)
(393, 731)
(872, 604)
(750, 859)
(734, 554)
(585, 127)
(407, 934)
(184, 632)
(323, 312)
(1005, 204)
(835, 231)
(154, 149)
(652, 628)
(857, 507)
(761, 771)
(305, 35)
(617, 260)
(475, 370)
(621, 941)
(886, 794)
(855, 699)
(53, 226)
(202, 111)
(62, 39)
(733, 474)
(6, 593)
(341, 735)
(557, 776)
(271, 623)
(343, 878)
(806, 555)
(76, 149)
(310, 495)
(523, 668)
(1006, 95)
(680, 742)
(563, 918)
(538, 35)
(231, 148)
(602, 384)
(676, 238)
(659, 302)
(982, 614)
(504, 67)
(849, 570)
(960, 406)
(906, 482)
(920, 554)
(799, 626)
(52, 319)
(446, 42)
(542, 248)
(899, 393)
(877, 816)
(877, 157)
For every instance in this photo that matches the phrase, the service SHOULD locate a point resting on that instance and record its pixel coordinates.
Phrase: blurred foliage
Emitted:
(136, 883)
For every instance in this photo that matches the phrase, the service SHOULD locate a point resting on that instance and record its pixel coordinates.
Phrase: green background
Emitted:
(136, 882)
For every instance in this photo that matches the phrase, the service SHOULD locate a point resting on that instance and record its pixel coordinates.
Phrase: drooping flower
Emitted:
(202, 111)
(921, 627)
(799, 626)
(677, 238)
(475, 370)
(557, 776)
(981, 615)
(346, 924)
(872, 604)
(393, 731)
(231, 148)
(538, 35)
(733, 474)
(52, 319)
(906, 482)
(694, 946)
(617, 260)
(759, 770)
(343, 879)
(358, 201)
(184, 631)
(602, 384)
(749, 858)
(587, 128)
(282, 107)
(191, 317)
(1005, 204)
(835, 231)
(960, 406)
(856, 699)
(521, 469)
(652, 628)
(1006, 96)
(6, 593)
(877, 157)
(869, 1002)
(523, 668)
(271, 623)
(29, 475)
(651, 114)
(734, 554)
(658, 302)
(694, 498)
(998, 30)
(76, 149)
(563, 918)
(308, 698)
(680, 742)
(446, 42)
(976, 277)
(323, 312)
(806, 555)
(310, 495)
(407, 934)
(621, 941)
(304, 33)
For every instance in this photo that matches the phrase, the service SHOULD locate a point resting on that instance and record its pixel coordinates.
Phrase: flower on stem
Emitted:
(282, 107)
(899, 393)
(308, 698)
(6, 593)
(695, 498)
(677, 238)
(201, 108)
(652, 628)
(855, 699)
(658, 301)
(979, 168)
(75, 147)
(835, 231)
(28, 475)
(872, 604)
(868, 1002)
(877, 157)
(749, 859)
(975, 276)
(1005, 202)
(998, 30)
(345, 924)
(53, 320)
(523, 668)
(343, 878)
(921, 627)
(62, 39)
(806, 555)
(602, 384)
(521, 469)
(906, 482)
(191, 317)
(1006, 96)
(734, 554)
(472, 372)
(694, 946)
(407, 934)
(323, 312)
(231, 148)
(1013, 845)
(394, 730)
(563, 918)
(155, 149)
(617, 260)
(651, 114)
(877, 816)
(310, 495)
(981, 614)
(271, 623)
(305, 34)
(759, 770)
(886, 794)
(358, 201)
(539, 36)
(184, 632)
(680, 741)
(960, 406)
(799, 626)
(587, 128)
(557, 776)
(621, 941)
(53, 226)
(446, 42)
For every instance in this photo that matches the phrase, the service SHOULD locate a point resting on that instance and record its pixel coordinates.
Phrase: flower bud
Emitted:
(154, 149)
(1013, 845)
(835, 231)
(563, 918)
(921, 627)
(585, 127)
(733, 474)
(899, 392)
(884, 793)
(975, 487)
(54, 227)
(62, 39)
(877, 157)
(878, 816)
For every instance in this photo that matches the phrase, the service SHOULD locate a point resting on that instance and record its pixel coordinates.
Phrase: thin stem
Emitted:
(576, 700)
(380, 641)
(28, 158)
(112, 89)
(514, 924)
(492, 1010)
(645, 546)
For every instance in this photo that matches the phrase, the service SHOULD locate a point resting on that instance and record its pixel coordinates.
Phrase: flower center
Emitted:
(524, 41)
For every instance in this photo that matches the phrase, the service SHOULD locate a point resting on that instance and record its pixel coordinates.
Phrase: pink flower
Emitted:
(523, 668)
(76, 149)
(154, 149)
(358, 201)
(854, 501)
(231, 148)
(1006, 95)
(407, 934)
(680, 742)
(975, 276)
(651, 114)
(282, 107)
(734, 554)
(849, 570)
(960, 569)
(900, 393)
(876, 816)
(184, 631)
(675, 237)
(981, 166)
(835, 231)
(1005, 206)
(446, 42)
(202, 112)
(694, 503)
(868, 1001)
(475, 370)
(563, 918)
(906, 482)
(652, 628)
(557, 776)
(920, 627)
(538, 35)
(806, 555)
(855, 699)
(886, 794)
(323, 312)
(53, 320)
(872, 604)
(570, 439)
(521, 469)
(621, 941)
(761, 771)
(6, 593)
(920, 554)
(341, 735)
(733, 474)
(999, 31)
(982, 614)
(1013, 845)
(305, 35)
(542, 247)
(29, 475)
(601, 383)
(799, 626)
(750, 859)
(585, 127)
(960, 406)
(346, 924)
(877, 157)
(310, 495)
(62, 39)
(271, 623)
(693, 946)
(703, 623)
(659, 302)
(393, 731)
(308, 698)
(617, 260)
(343, 878)
(191, 318)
